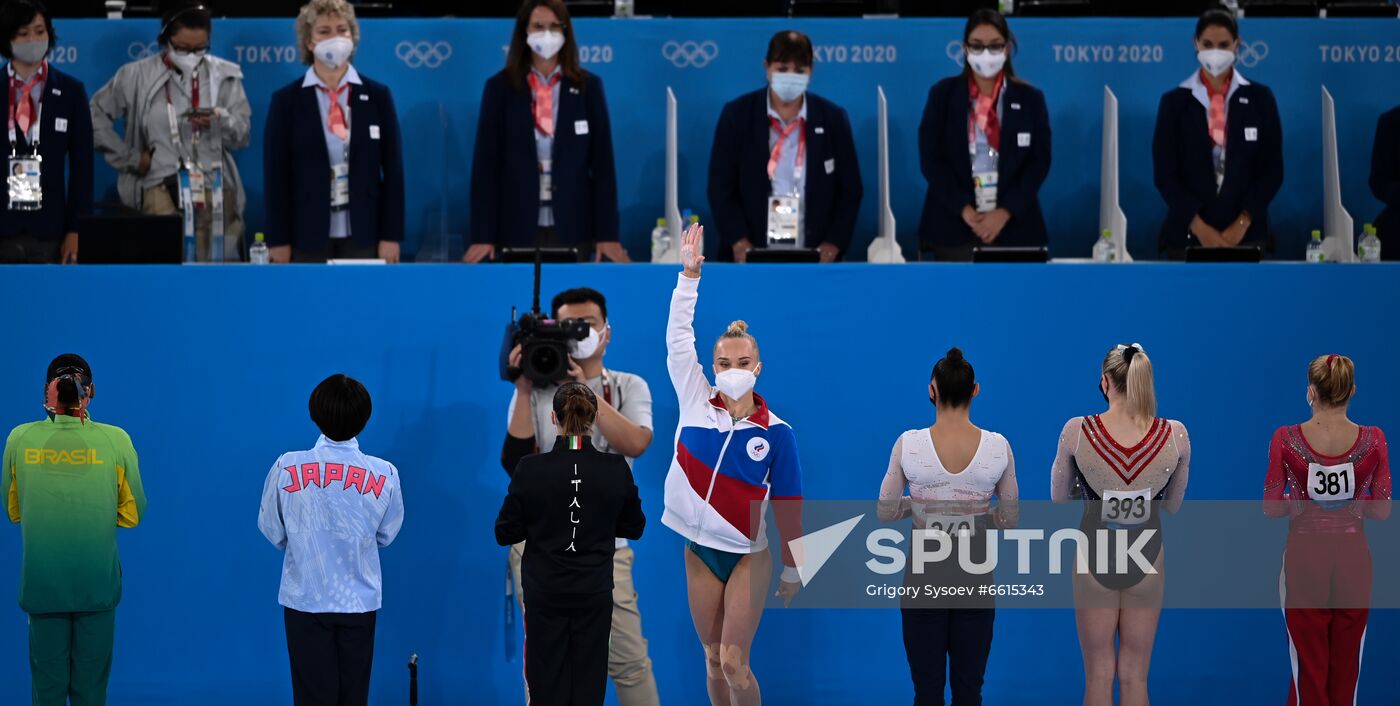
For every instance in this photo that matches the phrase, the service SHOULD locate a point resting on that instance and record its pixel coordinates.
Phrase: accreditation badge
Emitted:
(984, 188)
(340, 186)
(26, 191)
(784, 221)
(197, 186)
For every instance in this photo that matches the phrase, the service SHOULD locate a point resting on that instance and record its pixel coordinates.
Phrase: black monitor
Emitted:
(131, 239)
(1244, 253)
(779, 255)
(1010, 254)
(527, 255)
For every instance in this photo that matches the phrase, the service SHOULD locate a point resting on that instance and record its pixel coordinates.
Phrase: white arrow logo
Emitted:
(817, 547)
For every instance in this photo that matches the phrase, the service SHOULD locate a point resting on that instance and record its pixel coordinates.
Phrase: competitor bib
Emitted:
(1126, 507)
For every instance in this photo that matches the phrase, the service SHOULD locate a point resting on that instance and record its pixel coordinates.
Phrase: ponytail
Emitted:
(1334, 377)
(1130, 371)
(576, 407)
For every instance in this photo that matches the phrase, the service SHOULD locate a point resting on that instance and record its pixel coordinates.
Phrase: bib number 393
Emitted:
(1127, 507)
(1327, 483)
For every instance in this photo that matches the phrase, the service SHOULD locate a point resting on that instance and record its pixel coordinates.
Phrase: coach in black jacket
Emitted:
(568, 505)
(62, 125)
(951, 226)
(544, 112)
(297, 164)
(747, 137)
(1385, 182)
(1208, 205)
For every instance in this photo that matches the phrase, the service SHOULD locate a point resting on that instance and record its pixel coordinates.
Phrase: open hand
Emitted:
(787, 591)
(478, 252)
(691, 259)
(612, 250)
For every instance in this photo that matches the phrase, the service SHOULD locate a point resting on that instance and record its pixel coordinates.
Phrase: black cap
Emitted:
(67, 364)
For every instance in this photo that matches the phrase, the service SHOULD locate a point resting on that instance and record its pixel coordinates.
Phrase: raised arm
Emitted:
(894, 504)
(692, 387)
(1008, 510)
(1062, 488)
(1176, 485)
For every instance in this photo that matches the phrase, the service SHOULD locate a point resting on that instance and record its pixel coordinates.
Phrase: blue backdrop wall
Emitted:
(436, 69)
(209, 369)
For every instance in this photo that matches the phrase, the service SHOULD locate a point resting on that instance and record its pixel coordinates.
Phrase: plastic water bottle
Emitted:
(257, 253)
(1315, 253)
(1105, 250)
(1370, 248)
(660, 240)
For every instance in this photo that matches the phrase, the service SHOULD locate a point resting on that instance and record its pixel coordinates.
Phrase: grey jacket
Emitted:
(137, 89)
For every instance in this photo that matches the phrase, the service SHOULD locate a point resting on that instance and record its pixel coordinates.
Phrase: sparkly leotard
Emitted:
(1092, 464)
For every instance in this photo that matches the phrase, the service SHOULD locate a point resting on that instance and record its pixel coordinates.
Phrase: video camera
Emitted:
(544, 342)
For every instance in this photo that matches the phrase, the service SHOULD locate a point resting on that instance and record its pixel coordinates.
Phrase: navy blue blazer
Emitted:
(505, 187)
(1184, 170)
(1385, 182)
(297, 168)
(739, 187)
(67, 167)
(1022, 165)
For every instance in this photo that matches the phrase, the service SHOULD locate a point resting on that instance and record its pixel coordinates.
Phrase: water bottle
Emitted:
(660, 240)
(1105, 250)
(1315, 253)
(1370, 248)
(257, 253)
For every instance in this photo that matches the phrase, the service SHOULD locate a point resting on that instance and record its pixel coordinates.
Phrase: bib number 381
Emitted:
(1127, 507)
(1326, 483)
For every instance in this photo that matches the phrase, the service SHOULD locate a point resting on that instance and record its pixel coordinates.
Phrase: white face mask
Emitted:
(986, 64)
(187, 61)
(1216, 61)
(29, 52)
(582, 350)
(789, 85)
(735, 382)
(334, 52)
(545, 44)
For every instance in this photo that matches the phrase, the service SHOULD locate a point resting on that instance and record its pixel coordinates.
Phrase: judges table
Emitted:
(436, 69)
(209, 368)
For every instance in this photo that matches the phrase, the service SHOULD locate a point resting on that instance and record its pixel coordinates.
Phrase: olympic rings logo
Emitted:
(423, 54)
(955, 52)
(140, 50)
(1251, 53)
(690, 54)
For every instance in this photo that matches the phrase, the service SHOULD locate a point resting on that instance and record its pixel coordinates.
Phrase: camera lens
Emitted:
(547, 362)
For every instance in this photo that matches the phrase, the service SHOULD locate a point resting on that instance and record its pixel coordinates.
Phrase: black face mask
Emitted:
(1103, 392)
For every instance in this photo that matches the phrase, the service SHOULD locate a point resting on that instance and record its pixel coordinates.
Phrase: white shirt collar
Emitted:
(773, 112)
(353, 444)
(351, 76)
(557, 69)
(1194, 82)
(10, 69)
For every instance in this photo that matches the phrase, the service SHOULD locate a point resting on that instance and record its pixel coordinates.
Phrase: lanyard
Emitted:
(174, 120)
(26, 90)
(783, 134)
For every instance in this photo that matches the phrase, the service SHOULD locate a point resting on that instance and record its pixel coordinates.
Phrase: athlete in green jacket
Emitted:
(70, 483)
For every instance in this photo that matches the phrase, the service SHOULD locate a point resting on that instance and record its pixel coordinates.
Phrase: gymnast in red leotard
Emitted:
(1328, 475)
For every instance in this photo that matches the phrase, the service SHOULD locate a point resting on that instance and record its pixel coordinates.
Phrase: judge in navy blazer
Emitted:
(543, 110)
(1217, 193)
(300, 148)
(60, 104)
(745, 138)
(1385, 182)
(952, 225)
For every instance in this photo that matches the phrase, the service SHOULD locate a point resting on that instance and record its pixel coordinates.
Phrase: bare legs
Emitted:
(1127, 617)
(726, 618)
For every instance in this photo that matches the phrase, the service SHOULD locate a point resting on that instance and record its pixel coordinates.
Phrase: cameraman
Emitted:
(623, 427)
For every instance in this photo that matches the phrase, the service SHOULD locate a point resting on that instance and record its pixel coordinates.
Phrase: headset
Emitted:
(164, 36)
